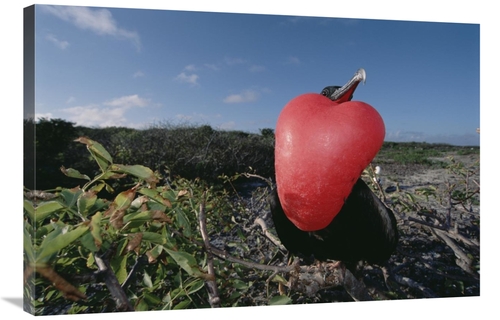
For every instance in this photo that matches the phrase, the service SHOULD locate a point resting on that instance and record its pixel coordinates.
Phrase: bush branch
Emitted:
(117, 292)
(211, 285)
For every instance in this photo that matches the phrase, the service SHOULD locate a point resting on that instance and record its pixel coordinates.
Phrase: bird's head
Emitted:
(346, 92)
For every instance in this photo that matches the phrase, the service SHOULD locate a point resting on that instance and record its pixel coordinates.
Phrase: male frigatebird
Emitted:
(363, 230)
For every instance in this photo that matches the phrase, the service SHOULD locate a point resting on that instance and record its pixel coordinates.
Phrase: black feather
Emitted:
(364, 229)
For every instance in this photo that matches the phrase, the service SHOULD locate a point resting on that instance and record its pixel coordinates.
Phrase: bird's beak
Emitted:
(346, 91)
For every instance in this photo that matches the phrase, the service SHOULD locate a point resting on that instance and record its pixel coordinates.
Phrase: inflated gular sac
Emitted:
(323, 144)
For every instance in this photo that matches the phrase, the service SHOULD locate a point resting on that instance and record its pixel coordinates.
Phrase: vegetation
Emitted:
(144, 245)
(418, 153)
(174, 150)
(124, 219)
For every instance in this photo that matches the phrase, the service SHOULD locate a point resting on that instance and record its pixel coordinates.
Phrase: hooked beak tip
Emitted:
(346, 91)
(362, 74)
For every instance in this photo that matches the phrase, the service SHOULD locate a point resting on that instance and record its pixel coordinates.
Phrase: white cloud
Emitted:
(109, 113)
(126, 102)
(190, 67)
(292, 60)
(71, 100)
(58, 43)
(227, 125)
(47, 115)
(93, 115)
(138, 74)
(212, 66)
(233, 61)
(245, 96)
(185, 78)
(99, 21)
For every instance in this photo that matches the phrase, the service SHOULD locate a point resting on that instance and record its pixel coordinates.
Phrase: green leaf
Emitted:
(410, 197)
(141, 306)
(168, 302)
(195, 286)
(62, 240)
(279, 300)
(98, 152)
(170, 195)
(73, 173)
(70, 196)
(182, 305)
(147, 280)
(95, 228)
(182, 222)
(153, 237)
(123, 200)
(156, 196)
(278, 278)
(155, 252)
(47, 208)
(90, 260)
(109, 189)
(88, 242)
(111, 175)
(186, 262)
(85, 202)
(240, 285)
(119, 266)
(151, 299)
(98, 187)
(138, 171)
(139, 217)
(28, 245)
(30, 210)
(234, 296)
(122, 245)
(44, 230)
(117, 209)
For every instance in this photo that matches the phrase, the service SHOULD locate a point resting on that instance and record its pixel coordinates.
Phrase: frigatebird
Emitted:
(365, 229)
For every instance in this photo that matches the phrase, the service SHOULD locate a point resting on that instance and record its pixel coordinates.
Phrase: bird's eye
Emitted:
(324, 92)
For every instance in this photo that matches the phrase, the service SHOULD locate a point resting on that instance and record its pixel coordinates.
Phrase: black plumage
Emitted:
(364, 229)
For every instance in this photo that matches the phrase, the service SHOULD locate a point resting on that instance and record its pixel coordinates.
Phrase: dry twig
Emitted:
(210, 284)
(463, 261)
(117, 292)
(260, 222)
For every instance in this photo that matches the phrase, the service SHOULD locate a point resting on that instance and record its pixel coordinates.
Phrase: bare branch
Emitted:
(117, 292)
(463, 261)
(310, 279)
(415, 285)
(252, 175)
(430, 225)
(427, 265)
(470, 242)
(211, 284)
(250, 264)
(260, 222)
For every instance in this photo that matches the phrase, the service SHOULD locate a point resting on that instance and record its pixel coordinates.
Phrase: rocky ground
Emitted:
(437, 209)
(439, 245)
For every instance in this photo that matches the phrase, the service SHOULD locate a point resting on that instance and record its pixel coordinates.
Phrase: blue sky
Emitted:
(138, 67)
